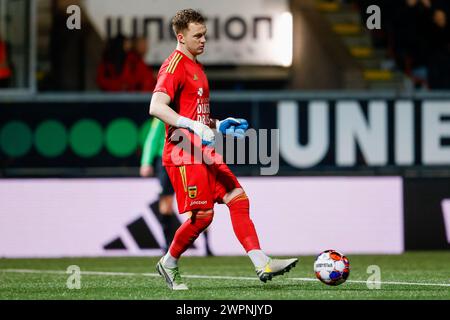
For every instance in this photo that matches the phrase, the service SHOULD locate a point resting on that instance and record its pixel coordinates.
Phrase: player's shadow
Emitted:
(283, 287)
(235, 287)
(332, 289)
(308, 287)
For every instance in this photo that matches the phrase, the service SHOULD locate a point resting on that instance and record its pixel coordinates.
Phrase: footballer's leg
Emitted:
(184, 237)
(194, 198)
(244, 229)
(171, 275)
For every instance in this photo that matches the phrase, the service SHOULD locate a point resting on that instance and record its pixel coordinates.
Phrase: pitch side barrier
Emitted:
(382, 215)
(305, 133)
(378, 159)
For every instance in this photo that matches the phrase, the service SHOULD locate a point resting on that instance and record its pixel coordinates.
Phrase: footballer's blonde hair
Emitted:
(182, 18)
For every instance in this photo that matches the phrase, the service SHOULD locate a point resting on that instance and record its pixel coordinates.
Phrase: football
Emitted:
(332, 267)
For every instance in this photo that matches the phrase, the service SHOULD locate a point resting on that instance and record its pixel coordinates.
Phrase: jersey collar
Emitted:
(189, 59)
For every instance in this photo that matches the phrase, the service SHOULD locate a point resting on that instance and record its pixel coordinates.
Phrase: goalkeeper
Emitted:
(181, 100)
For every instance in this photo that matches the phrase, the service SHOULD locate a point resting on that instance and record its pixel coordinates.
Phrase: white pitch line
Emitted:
(402, 283)
(101, 273)
(128, 274)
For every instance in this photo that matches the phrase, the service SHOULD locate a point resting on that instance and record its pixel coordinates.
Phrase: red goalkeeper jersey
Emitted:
(185, 82)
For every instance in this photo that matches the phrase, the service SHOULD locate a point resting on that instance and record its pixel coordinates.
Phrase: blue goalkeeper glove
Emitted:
(233, 126)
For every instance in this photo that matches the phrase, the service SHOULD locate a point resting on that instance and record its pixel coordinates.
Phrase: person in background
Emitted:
(439, 61)
(411, 39)
(123, 67)
(109, 72)
(137, 74)
(5, 68)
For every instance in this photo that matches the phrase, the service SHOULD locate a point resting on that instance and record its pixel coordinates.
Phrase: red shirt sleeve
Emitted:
(170, 82)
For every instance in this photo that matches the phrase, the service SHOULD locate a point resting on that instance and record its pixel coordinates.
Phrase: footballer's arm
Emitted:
(159, 107)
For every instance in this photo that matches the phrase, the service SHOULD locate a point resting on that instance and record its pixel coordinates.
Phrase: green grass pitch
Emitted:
(413, 275)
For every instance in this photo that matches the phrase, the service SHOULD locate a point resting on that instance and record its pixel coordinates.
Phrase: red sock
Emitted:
(242, 224)
(189, 231)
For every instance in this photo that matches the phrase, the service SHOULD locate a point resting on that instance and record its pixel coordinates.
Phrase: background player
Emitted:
(181, 100)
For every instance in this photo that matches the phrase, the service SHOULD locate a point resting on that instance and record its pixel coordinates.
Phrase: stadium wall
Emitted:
(293, 215)
(97, 217)
(330, 145)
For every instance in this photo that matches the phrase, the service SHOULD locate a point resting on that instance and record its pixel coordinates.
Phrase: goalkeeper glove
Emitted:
(233, 126)
(201, 130)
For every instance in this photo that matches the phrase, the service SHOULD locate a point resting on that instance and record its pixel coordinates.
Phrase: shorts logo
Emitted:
(198, 202)
(192, 192)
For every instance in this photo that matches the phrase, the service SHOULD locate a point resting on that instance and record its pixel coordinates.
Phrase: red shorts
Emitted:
(199, 186)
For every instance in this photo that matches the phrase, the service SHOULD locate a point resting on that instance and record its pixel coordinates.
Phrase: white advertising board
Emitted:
(253, 32)
(293, 216)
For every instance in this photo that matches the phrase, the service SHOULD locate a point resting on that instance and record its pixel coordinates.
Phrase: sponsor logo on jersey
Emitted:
(200, 92)
(192, 192)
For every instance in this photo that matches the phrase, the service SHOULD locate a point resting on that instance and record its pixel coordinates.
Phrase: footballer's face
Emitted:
(194, 38)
